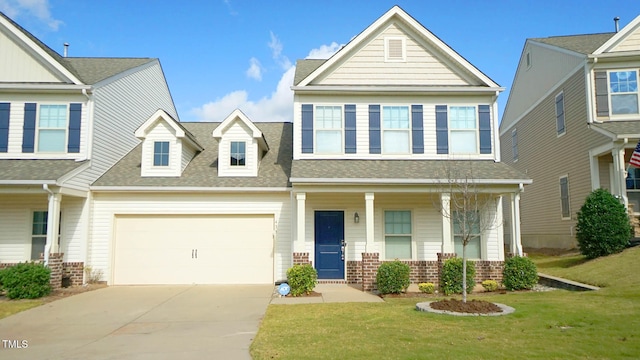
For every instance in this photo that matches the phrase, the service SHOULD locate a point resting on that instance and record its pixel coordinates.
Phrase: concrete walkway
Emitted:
(330, 293)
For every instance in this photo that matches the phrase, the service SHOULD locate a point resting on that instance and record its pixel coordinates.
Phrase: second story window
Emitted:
(463, 130)
(238, 153)
(328, 129)
(161, 153)
(396, 131)
(623, 92)
(52, 128)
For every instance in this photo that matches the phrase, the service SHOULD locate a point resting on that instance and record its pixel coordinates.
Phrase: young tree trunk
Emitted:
(464, 272)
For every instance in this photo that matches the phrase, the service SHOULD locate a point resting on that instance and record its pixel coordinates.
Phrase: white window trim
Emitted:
(564, 114)
(315, 129)
(386, 49)
(609, 93)
(246, 147)
(153, 154)
(412, 235)
(477, 128)
(36, 138)
(408, 130)
(562, 217)
(514, 145)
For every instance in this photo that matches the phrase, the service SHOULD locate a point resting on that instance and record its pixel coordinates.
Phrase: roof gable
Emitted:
(161, 116)
(627, 39)
(420, 46)
(235, 116)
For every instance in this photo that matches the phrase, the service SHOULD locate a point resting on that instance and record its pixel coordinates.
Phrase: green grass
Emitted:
(10, 307)
(547, 325)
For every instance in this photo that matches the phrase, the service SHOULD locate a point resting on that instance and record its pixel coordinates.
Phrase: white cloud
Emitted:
(255, 69)
(276, 52)
(37, 8)
(324, 51)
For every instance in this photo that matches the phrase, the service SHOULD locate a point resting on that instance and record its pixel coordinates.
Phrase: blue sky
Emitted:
(219, 55)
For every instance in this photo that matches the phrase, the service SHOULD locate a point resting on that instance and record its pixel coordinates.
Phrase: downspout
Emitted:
(89, 139)
(47, 245)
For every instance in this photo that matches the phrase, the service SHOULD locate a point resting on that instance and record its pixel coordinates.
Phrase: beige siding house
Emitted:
(571, 124)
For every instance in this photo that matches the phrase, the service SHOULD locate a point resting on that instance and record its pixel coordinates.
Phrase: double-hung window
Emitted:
(623, 92)
(52, 128)
(396, 132)
(467, 225)
(463, 130)
(328, 129)
(238, 153)
(38, 234)
(397, 234)
(161, 153)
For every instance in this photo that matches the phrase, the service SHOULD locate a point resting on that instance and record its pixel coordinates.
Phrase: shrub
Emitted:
(393, 277)
(490, 285)
(519, 273)
(427, 288)
(26, 281)
(302, 279)
(451, 279)
(603, 226)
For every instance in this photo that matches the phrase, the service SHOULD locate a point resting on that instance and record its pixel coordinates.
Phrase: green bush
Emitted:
(393, 277)
(26, 281)
(519, 273)
(427, 288)
(603, 226)
(451, 279)
(490, 285)
(302, 279)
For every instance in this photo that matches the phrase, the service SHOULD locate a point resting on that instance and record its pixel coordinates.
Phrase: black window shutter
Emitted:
(307, 128)
(5, 109)
(417, 129)
(75, 117)
(374, 130)
(442, 130)
(29, 128)
(350, 129)
(602, 94)
(484, 125)
(560, 113)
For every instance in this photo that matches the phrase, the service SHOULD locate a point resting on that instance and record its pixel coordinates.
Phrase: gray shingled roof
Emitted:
(402, 169)
(202, 171)
(621, 128)
(88, 70)
(36, 170)
(305, 67)
(584, 44)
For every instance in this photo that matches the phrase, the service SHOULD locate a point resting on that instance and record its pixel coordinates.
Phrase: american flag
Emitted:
(635, 157)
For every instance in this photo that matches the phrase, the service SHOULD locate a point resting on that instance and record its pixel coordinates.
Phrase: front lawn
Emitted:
(556, 324)
(10, 307)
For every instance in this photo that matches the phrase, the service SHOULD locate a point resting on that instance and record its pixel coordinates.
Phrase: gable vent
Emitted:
(395, 49)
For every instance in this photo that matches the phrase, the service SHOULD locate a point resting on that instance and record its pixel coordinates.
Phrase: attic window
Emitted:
(394, 49)
(528, 59)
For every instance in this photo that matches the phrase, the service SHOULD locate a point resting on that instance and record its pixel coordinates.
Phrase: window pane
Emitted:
(623, 81)
(397, 247)
(397, 222)
(396, 141)
(395, 117)
(238, 153)
(51, 140)
(463, 142)
(53, 116)
(462, 117)
(329, 141)
(37, 246)
(624, 104)
(328, 117)
(473, 247)
(161, 153)
(39, 223)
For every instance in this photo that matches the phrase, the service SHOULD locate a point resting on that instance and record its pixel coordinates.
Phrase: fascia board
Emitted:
(183, 189)
(617, 38)
(329, 181)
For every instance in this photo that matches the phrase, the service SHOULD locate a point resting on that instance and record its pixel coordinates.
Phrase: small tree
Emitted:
(603, 226)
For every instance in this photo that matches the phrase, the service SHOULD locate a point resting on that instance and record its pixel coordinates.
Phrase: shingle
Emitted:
(93, 70)
(305, 67)
(584, 44)
(202, 171)
(620, 127)
(36, 170)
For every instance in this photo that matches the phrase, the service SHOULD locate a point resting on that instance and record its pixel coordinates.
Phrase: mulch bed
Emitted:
(471, 306)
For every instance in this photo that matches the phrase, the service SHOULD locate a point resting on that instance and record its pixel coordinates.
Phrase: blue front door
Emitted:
(329, 236)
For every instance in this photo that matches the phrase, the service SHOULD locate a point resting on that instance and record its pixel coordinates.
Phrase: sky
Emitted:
(219, 55)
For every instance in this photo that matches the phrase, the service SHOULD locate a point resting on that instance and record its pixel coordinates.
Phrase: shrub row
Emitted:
(25, 281)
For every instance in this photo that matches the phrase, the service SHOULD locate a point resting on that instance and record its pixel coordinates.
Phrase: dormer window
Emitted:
(161, 153)
(238, 153)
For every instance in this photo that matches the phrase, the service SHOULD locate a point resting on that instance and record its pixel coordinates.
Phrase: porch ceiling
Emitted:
(17, 171)
(404, 171)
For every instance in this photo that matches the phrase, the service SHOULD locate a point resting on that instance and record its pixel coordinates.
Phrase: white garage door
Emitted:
(193, 249)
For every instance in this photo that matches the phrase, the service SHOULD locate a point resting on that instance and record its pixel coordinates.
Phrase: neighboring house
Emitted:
(63, 123)
(571, 124)
(356, 179)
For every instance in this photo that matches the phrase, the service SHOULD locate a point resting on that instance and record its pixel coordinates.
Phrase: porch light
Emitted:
(356, 218)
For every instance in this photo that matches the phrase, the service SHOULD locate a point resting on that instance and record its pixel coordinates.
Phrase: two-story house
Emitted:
(359, 177)
(63, 122)
(571, 123)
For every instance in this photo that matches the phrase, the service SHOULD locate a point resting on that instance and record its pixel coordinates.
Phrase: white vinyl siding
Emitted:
(328, 126)
(20, 66)
(152, 157)
(107, 206)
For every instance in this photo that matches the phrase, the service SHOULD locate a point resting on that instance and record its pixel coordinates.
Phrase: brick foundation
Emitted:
(370, 264)
(55, 264)
(62, 273)
(74, 271)
(489, 270)
(354, 272)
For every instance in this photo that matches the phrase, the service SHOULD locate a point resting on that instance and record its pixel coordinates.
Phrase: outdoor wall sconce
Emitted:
(356, 218)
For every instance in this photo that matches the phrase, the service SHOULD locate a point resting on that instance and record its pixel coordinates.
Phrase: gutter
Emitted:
(327, 181)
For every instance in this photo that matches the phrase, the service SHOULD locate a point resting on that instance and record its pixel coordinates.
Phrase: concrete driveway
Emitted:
(141, 322)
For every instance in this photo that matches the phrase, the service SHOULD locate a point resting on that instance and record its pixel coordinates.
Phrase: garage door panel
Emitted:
(201, 249)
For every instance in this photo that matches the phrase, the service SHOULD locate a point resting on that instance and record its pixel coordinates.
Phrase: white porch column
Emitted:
(500, 222)
(619, 186)
(516, 242)
(53, 224)
(370, 246)
(298, 246)
(447, 237)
